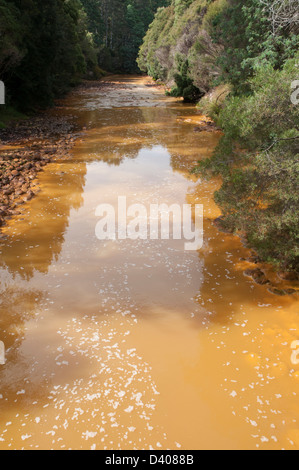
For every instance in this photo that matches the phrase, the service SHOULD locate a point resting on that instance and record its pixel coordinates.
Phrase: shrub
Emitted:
(258, 161)
(184, 84)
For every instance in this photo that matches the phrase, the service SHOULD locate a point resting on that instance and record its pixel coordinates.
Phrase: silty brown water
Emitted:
(137, 344)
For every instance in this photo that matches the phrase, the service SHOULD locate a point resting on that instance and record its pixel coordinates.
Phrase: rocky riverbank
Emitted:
(25, 148)
(28, 145)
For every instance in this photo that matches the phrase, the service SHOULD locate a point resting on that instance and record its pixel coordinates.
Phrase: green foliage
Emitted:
(118, 27)
(11, 36)
(183, 29)
(184, 84)
(258, 161)
(45, 50)
(212, 103)
(180, 6)
(244, 29)
(224, 41)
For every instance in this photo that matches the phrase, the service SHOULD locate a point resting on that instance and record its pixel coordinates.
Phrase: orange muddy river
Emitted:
(138, 344)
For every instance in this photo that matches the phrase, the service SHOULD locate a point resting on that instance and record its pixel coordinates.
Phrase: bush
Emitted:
(212, 103)
(258, 161)
(183, 30)
(184, 84)
(245, 30)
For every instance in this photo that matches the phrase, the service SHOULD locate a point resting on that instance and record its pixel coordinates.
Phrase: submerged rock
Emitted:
(257, 275)
(281, 292)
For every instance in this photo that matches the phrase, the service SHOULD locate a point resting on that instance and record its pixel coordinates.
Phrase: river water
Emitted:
(137, 344)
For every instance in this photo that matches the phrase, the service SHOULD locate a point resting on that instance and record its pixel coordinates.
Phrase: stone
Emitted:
(257, 275)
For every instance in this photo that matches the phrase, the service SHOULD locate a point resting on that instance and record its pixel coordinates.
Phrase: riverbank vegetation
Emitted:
(243, 57)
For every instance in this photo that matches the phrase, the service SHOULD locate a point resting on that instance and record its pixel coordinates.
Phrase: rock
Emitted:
(253, 259)
(39, 139)
(257, 275)
(281, 292)
(290, 291)
(29, 196)
(206, 126)
(8, 192)
(28, 166)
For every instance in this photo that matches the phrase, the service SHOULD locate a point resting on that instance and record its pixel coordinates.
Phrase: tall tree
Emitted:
(119, 27)
(43, 49)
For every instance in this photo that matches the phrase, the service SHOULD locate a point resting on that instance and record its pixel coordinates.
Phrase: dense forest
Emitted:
(118, 28)
(240, 59)
(48, 46)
